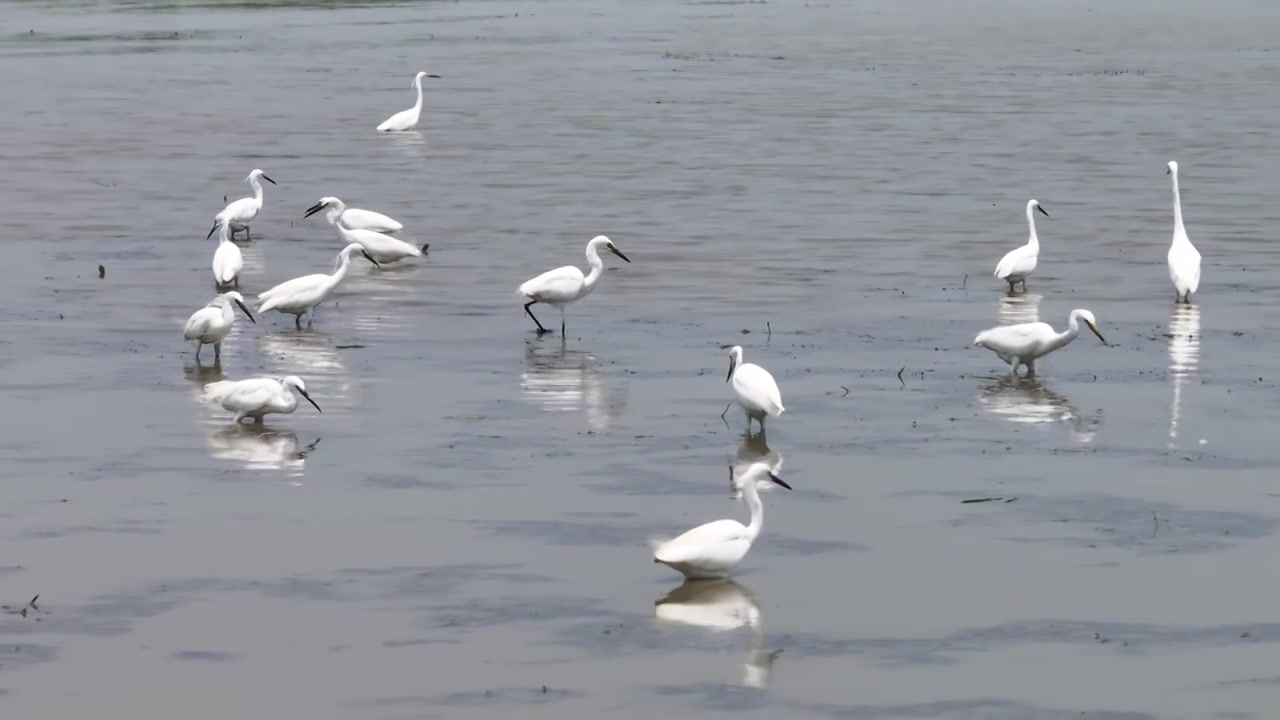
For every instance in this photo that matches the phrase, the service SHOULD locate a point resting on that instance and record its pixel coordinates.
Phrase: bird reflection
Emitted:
(1021, 308)
(1027, 400)
(722, 606)
(754, 448)
(260, 448)
(561, 380)
(1184, 358)
(312, 355)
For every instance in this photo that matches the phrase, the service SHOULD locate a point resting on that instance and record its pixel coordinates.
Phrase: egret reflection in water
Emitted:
(1029, 401)
(1021, 308)
(258, 447)
(558, 379)
(722, 606)
(754, 448)
(1184, 359)
(314, 356)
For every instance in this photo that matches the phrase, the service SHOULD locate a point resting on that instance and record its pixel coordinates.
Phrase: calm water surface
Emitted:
(463, 532)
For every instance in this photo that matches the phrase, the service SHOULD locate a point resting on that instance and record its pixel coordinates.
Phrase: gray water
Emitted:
(463, 532)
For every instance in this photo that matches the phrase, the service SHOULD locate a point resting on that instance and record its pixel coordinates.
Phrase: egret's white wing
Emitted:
(758, 386)
(358, 219)
(1013, 338)
(383, 248)
(560, 285)
(227, 262)
(239, 210)
(240, 395)
(399, 121)
(288, 288)
(1019, 261)
(200, 321)
(703, 544)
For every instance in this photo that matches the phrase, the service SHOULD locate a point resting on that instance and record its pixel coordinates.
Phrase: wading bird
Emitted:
(1024, 344)
(1016, 266)
(227, 259)
(210, 324)
(567, 284)
(300, 296)
(354, 218)
(1184, 259)
(382, 249)
(241, 212)
(715, 549)
(754, 388)
(256, 397)
(407, 119)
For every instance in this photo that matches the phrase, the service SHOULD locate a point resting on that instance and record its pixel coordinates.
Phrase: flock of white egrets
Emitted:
(708, 551)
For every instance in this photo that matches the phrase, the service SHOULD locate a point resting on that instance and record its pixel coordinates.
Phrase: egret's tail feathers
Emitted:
(214, 391)
(655, 544)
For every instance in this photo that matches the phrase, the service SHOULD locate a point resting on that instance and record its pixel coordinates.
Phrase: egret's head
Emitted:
(1092, 322)
(607, 244)
(1036, 205)
(238, 299)
(259, 174)
(356, 248)
(295, 382)
(760, 472)
(422, 74)
(735, 357)
(1173, 168)
(325, 204)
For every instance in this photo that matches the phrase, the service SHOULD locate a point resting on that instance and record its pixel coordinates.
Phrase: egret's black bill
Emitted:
(370, 258)
(273, 182)
(432, 76)
(1094, 328)
(312, 210)
(1041, 209)
(733, 363)
(212, 230)
(779, 480)
(308, 397)
(246, 311)
(618, 252)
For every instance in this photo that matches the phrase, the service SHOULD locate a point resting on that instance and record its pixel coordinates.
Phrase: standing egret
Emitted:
(241, 212)
(755, 388)
(300, 296)
(380, 248)
(227, 259)
(407, 119)
(354, 218)
(1184, 259)
(256, 397)
(714, 549)
(1023, 344)
(1016, 266)
(567, 284)
(211, 323)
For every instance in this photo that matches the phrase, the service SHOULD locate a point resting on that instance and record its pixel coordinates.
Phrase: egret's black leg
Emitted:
(541, 329)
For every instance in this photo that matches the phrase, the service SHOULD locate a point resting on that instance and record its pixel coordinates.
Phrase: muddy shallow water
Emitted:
(463, 531)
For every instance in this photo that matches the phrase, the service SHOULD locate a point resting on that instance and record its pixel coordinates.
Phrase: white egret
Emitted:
(382, 249)
(240, 213)
(300, 296)
(211, 323)
(256, 397)
(227, 259)
(755, 388)
(1023, 344)
(1016, 266)
(1184, 259)
(354, 218)
(714, 549)
(567, 284)
(407, 119)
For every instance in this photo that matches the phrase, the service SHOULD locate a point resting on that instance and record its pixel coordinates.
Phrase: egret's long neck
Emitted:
(1179, 230)
(257, 190)
(224, 233)
(1033, 241)
(417, 84)
(228, 314)
(1066, 336)
(597, 267)
(341, 272)
(332, 215)
(756, 507)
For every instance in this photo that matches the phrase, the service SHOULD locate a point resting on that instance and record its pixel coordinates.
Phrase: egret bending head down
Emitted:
(567, 284)
(1184, 259)
(381, 248)
(1016, 266)
(354, 218)
(407, 119)
(212, 323)
(239, 213)
(1023, 344)
(715, 549)
(256, 397)
(228, 261)
(755, 389)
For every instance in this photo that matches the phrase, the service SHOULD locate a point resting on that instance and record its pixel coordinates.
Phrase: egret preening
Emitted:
(1184, 259)
(1023, 344)
(354, 218)
(755, 389)
(715, 549)
(300, 296)
(211, 323)
(380, 248)
(567, 284)
(227, 259)
(1016, 266)
(240, 213)
(256, 397)
(407, 119)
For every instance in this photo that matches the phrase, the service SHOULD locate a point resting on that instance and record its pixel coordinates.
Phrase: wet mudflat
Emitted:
(463, 531)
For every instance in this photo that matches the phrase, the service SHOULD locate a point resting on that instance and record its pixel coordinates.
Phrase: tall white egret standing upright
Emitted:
(212, 323)
(755, 388)
(1023, 344)
(407, 119)
(256, 397)
(714, 549)
(1184, 259)
(382, 249)
(354, 218)
(567, 284)
(227, 259)
(300, 296)
(1016, 266)
(238, 214)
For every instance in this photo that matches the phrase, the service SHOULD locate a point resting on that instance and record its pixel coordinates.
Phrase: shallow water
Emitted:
(463, 531)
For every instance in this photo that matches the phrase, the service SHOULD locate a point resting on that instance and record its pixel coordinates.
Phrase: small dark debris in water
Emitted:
(102, 271)
(769, 328)
(60, 316)
(1235, 333)
(845, 389)
(425, 247)
(972, 501)
(779, 57)
(347, 347)
(1099, 638)
(904, 382)
(544, 689)
(1244, 635)
(746, 331)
